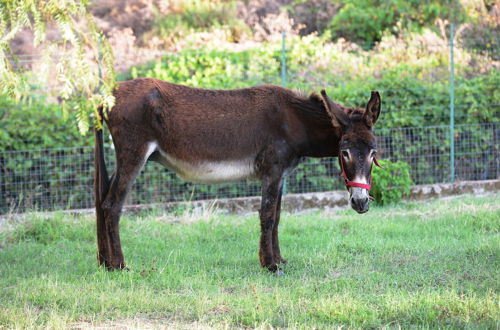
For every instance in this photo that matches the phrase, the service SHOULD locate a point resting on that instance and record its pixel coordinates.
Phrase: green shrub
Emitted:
(365, 21)
(217, 70)
(27, 126)
(36, 175)
(199, 15)
(410, 102)
(391, 183)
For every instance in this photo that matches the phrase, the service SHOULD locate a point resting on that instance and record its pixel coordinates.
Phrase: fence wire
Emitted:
(50, 179)
(62, 178)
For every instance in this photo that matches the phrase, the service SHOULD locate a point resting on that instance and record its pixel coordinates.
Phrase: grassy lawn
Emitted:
(433, 264)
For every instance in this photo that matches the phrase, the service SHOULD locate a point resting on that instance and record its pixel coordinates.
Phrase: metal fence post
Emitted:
(283, 78)
(452, 106)
(283, 59)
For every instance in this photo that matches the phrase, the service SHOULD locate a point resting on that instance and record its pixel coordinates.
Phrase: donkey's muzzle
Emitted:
(360, 204)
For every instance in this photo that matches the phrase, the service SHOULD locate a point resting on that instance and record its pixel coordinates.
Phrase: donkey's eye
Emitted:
(345, 153)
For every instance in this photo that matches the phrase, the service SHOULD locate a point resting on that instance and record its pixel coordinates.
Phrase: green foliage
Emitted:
(409, 98)
(411, 102)
(391, 183)
(28, 126)
(313, 175)
(215, 69)
(199, 15)
(365, 21)
(81, 86)
(49, 165)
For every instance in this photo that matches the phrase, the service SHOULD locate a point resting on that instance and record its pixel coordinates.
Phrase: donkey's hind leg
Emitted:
(276, 244)
(128, 165)
(269, 203)
(102, 238)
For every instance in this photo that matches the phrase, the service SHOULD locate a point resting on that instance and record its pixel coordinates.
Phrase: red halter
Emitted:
(349, 183)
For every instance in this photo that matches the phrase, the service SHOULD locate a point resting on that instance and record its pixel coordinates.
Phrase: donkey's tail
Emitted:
(101, 187)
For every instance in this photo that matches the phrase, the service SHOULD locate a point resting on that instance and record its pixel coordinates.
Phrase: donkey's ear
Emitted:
(339, 117)
(372, 109)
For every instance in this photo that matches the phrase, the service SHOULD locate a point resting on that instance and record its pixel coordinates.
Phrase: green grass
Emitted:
(430, 265)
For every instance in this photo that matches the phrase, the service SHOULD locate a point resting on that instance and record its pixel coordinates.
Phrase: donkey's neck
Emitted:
(318, 137)
(311, 109)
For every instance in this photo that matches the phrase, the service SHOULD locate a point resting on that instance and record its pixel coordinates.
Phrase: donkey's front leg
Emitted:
(276, 244)
(270, 200)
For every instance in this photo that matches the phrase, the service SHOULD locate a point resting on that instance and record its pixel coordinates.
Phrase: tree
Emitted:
(81, 56)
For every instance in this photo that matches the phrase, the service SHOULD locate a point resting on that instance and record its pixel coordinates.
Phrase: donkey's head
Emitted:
(357, 147)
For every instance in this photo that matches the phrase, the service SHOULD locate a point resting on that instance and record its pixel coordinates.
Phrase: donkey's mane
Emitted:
(313, 107)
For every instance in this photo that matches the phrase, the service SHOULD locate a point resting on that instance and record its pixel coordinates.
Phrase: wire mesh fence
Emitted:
(62, 178)
(413, 129)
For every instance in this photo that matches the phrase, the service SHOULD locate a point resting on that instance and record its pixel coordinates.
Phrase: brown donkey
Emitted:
(214, 136)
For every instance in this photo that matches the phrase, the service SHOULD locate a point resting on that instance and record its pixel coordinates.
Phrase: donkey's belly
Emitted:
(209, 171)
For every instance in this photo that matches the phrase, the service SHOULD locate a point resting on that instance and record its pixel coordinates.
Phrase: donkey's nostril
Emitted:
(359, 202)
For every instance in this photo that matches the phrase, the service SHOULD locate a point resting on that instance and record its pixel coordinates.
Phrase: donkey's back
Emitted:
(156, 100)
(213, 124)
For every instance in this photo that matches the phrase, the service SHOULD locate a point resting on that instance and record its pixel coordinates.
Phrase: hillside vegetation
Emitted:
(347, 46)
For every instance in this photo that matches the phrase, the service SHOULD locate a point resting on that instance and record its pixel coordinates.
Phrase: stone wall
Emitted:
(339, 198)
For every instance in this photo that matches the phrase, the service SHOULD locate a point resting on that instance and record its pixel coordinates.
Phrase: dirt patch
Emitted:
(141, 323)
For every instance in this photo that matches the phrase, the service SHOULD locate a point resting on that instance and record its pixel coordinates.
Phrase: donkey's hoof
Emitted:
(276, 270)
(119, 267)
(272, 268)
(108, 266)
(281, 261)
(122, 267)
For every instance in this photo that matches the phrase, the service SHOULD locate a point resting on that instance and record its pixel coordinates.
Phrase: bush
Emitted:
(365, 21)
(391, 183)
(27, 126)
(193, 15)
(35, 176)
(217, 70)
(410, 102)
